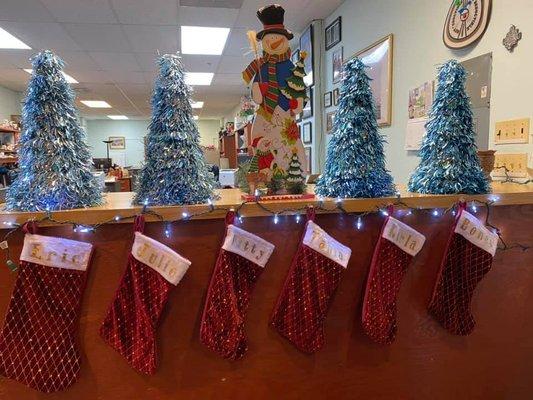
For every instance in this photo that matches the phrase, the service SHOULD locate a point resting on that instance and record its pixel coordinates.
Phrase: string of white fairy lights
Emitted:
(296, 211)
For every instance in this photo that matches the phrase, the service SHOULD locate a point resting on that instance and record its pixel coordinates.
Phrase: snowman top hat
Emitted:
(273, 18)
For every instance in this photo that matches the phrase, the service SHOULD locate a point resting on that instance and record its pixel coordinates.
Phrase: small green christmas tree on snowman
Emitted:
(296, 88)
(295, 179)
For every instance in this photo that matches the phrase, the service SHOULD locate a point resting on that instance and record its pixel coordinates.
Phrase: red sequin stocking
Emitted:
(309, 288)
(130, 326)
(396, 247)
(239, 265)
(468, 259)
(38, 343)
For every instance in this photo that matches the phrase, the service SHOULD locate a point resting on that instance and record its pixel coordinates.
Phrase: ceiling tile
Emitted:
(97, 11)
(42, 35)
(233, 64)
(76, 60)
(116, 61)
(146, 38)
(238, 44)
(91, 76)
(199, 63)
(147, 61)
(153, 12)
(14, 75)
(126, 77)
(204, 16)
(99, 37)
(16, 58)
(24, 10)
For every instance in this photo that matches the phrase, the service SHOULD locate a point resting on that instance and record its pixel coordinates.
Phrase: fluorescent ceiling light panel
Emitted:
(196, 117)
(8, 41)
(117, 117)
(197, 104)
(203, 40)
(96, 103)
(199, 78)
(69, 78)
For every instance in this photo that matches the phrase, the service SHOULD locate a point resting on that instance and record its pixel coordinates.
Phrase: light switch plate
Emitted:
(516, 165)
(514, 131)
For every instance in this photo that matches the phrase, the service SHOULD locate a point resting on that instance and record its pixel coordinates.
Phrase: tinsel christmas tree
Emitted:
(449, 162)
(296, 88)
(175, 171)
(295, 180)
(54, 160)
(355, 161)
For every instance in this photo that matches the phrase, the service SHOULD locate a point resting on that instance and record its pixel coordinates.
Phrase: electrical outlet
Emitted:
(516, 165)
(515, 131)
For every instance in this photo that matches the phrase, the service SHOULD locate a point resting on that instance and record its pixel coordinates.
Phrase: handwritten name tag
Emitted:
(248, 245)
(476, 233)
(316, 238)
(169, 264)
(56, 252)
(403, 236)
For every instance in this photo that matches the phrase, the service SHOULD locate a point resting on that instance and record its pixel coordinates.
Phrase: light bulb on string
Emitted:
(117, 218)
(385, 213)
(167, 231)
(359, 223)
(276, 219)
(435, 212)
(145, 202)
(474, 207)
(298, 218)
(185, 215)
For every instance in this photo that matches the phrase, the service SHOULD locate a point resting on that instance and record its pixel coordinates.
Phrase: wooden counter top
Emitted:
(119, 204)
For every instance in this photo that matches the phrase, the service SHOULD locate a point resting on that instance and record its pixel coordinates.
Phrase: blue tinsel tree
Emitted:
(175, 172)
(54, 160)
(355, 161)
(449, 162)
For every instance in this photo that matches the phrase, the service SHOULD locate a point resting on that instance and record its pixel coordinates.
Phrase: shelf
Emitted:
(5, 129)
(120, 204)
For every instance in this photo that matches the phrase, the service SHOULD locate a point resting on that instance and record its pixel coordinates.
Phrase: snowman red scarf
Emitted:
(469, 254)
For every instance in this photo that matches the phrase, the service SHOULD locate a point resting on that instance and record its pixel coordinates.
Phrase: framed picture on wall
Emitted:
(309, 159)
(308, 109)
(336, 96)
(117, 143)
(378, 58)
(330, 121)
(307, 134)
(306, 44)
(334, 33)
(327, 100)
(337, 60)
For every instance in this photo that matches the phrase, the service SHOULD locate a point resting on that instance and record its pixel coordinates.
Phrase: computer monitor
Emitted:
(102, 163)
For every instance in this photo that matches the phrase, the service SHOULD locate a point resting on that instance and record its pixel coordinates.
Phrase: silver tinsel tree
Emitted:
(355, 159)
(54, 160)
(449, 162)
(175, 172)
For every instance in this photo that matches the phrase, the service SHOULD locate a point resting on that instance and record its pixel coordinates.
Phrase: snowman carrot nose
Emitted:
(276, 44)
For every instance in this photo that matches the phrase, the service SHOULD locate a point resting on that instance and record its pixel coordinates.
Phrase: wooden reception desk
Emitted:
(424, 362)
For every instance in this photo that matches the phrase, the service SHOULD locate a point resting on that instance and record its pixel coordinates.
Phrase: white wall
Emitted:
(418, 49)
(134, 132)
(9, 103)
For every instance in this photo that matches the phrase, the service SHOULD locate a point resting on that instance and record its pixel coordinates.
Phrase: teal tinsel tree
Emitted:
(54, 160)
(355, 161)
(449, 162)
(175, 172)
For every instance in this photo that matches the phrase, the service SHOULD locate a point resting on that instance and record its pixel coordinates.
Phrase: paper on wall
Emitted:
(416, 130)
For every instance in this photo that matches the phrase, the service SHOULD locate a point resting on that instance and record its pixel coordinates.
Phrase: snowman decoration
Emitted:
(276, 85)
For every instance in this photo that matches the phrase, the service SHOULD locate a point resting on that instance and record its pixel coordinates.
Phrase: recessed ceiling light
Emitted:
(196, 117)
(8, 41)
(203, 40)
(96, 103)
(199, 78)
(197, 104)
(69, 78)
(117, 117)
